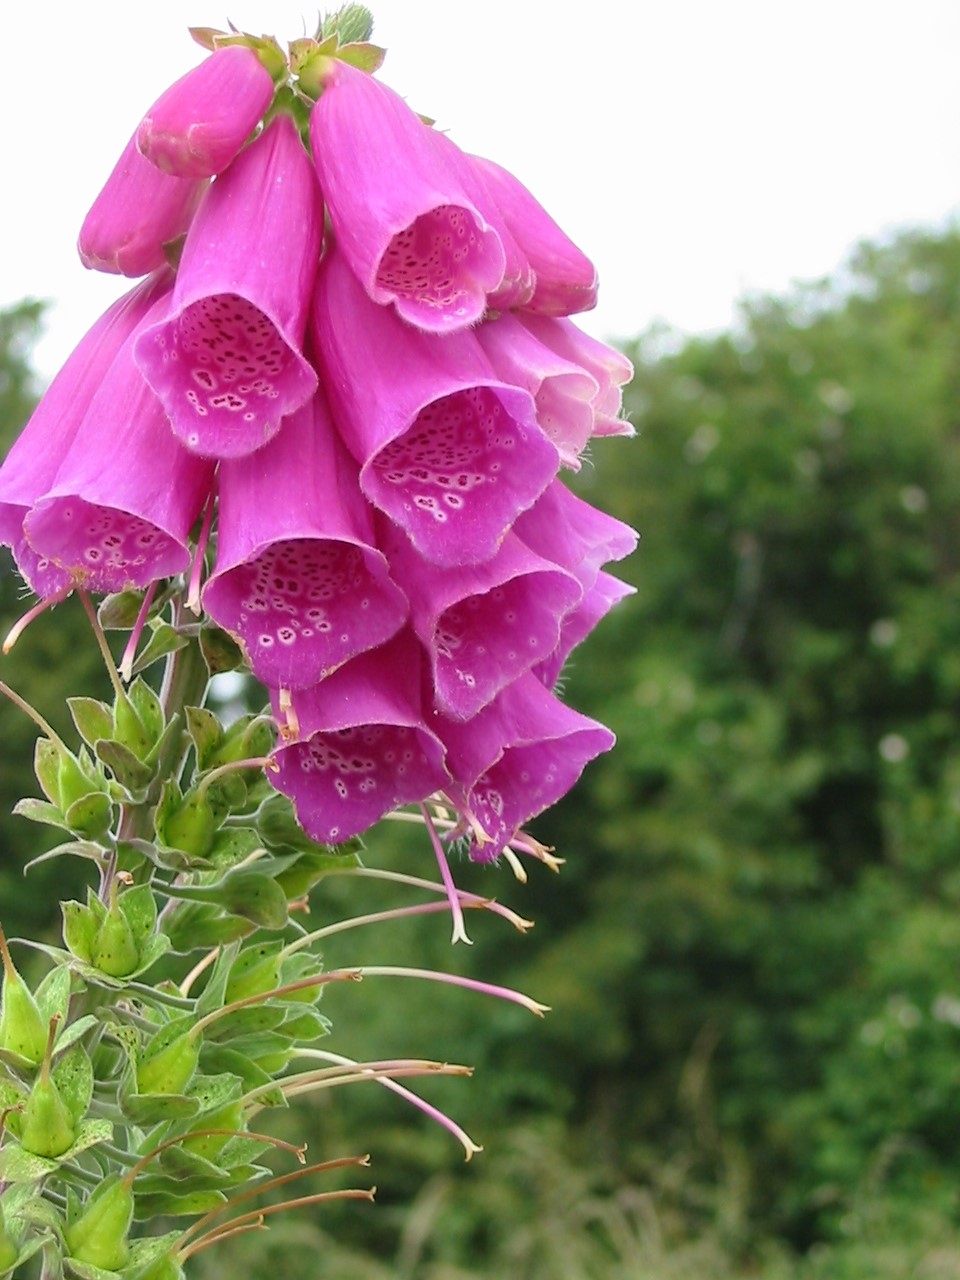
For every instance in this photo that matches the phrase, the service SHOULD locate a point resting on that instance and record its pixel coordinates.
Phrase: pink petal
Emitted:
(138, 212)
(228, 364)
(608, 367)
(404, 222)
(197, 127)
(32, 463)
(364, 748)
(446, 449)
(298, 580)
(604, 593)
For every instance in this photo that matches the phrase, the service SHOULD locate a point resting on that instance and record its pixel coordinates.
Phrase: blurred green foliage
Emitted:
(753, 951)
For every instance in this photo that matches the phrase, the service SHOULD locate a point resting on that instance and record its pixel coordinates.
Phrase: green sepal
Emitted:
(87, 1271)
(97, 1238)
(151, 1258)
(128, 727)
(120, 610)
(255, 970)
(53, 996)
(206, 733)
(219, 649)
(243, 892)
(350, 22)
(115, 950)
(129, 770)
(163, 1204)
(251, 736)
(90, 816)
(77, 848)
(194, 926)
(73, 1075)
(366, 57)
(76, 778)
(18, 1165)
(169, 859)
(185, 822)
(252, 1020)
(150, 953)
(46, 765)
(169, 1062)
(224, 1058)
(148, 708)
(93, 719)
(139, 905)
(164, 640)
(232, 845)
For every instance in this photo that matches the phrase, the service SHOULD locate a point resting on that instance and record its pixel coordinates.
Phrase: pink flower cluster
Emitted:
(364, 359)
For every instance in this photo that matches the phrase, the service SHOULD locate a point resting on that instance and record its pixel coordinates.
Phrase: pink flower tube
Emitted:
(482, 626)
(446, 449)
(604, 592)
(515, 759)
(298, 580)
(197, 127)
(562, 391)
(566, 278)
(364, 747)
(138, 212)
(126, 494)
(610, 369)
(228, 363)
(404, 223)
(32, 463)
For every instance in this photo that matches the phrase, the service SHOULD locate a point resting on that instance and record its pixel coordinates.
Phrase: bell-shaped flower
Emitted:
(138, 212)
(35, 458)
(450, 452)
(359, 746)
(482, 626)
(298, 580)
(563, 528)
(598, 600)
(566, 278)
(515, 759)
(196, 128)
(228, 363)
(610, 369)
(562, 390)
(519, 280)
(404, 223)
(119, 511)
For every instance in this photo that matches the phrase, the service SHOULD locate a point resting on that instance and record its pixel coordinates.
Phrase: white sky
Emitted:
(694, 149)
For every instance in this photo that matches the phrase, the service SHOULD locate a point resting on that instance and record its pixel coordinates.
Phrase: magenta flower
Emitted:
(599, 598)
(298, 580)
(197, 127)
(449, 451)
(482, 626)
(32, 463)
(515, 759)
(563, 391)
(119, 512)
(403, 221)
(610, 369)
(138, 212)
(360, 746)
(566, 278)
(227, 364)
(566, 530)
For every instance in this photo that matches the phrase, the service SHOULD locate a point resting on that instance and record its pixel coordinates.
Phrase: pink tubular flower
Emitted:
(447, 450)
(483, 626)
(562, 390)
(228, 364)
(515, 759)
(563, 528)
(404, 223)
(197, 127)
(126, 494)
(32, 463)
(610, 369)
(566, 278)
(364, 748)
(297, 579)
(137, 213)
(598, 600)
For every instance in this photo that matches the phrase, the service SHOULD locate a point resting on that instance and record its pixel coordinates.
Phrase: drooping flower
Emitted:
(566, 279)
(298, 580)
(361, 745)
(447, 450)
(119, 511)
(523, 752)
(598, 599)
(196, 128)
(564, 392)
(403, 221)
(610, 368)
(562, 527)
(228, 363)
(138, 212)
(35, 458)
(482, 626)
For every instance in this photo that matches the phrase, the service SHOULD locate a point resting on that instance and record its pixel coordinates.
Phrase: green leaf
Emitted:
(90, 815)
(129, 770)
(53, 993)
(172, 1206)
(17, 1165)
(46, 765)
(40, 811)
(140, 908)
(232, 845)
(205, 731)
(220, 651)
(120, 610)
(80, 929)
(148, 707)
(73, 1075)
(75, 1030)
